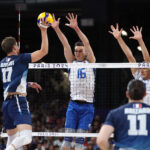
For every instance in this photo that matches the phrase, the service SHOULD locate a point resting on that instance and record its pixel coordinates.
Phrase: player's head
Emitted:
(145, 73)
(79, 51)
(136, 90)
(9, 45)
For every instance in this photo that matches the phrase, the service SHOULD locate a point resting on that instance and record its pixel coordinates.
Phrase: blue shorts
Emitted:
(79, 116)
(15, 112)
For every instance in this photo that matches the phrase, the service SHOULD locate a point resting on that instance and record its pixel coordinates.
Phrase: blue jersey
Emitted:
(132, 126)
(13, 72)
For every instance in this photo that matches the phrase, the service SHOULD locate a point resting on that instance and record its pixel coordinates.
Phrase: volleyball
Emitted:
(46, 16)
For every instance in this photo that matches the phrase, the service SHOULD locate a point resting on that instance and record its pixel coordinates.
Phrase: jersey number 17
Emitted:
(7, 74)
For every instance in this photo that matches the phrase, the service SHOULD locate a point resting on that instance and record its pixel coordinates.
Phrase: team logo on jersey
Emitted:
(8, 59)
(137, 105)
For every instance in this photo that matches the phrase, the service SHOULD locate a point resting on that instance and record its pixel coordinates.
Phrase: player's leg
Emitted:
(11, 129)
(70, 125)
(19, 112)
(85, 121)
(12, 134)
(24, 138)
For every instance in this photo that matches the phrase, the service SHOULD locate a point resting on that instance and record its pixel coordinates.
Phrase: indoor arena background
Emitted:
(95, 17)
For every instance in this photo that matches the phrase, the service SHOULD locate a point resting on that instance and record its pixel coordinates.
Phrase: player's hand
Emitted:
(72, 21)
(137, 34)
(35, 86)
(115, 31)
(43, 25)
(55, 23)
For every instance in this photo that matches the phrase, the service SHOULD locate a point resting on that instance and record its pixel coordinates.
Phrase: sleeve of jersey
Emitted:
(26, 58)
(109, 119)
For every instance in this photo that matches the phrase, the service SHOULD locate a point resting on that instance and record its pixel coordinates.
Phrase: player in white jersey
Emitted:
(82, 83)
(13, 73)
(141, 74)
(80, 111)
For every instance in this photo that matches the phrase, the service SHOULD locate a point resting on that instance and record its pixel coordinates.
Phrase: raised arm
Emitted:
(127, 51)
(74, 25)
(39, 54)
(137, 35)
(67, 49)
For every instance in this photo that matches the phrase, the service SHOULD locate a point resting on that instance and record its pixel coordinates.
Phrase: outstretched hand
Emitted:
(43, 25)
(55, 23)
(72, 20)
(137, 34)
(35, 86)
(115, 31)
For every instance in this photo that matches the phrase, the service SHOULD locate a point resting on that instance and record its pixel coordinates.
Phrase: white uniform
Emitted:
(138, 76)
(82, 83)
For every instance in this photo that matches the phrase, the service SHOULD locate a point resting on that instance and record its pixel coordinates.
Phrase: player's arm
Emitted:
(39, 54)
(35, 86)
(137, 35)
(67, 49)
(103, 137)
(74, 25)
(127, 51)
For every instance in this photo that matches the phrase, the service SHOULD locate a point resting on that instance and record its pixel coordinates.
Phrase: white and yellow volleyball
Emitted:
(46, 16)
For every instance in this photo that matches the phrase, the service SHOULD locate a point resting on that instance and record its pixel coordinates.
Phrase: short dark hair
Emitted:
(79, 43)
(136, 89)
(7, 44)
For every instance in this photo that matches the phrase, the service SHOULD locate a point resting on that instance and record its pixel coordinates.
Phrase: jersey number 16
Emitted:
(81, 74)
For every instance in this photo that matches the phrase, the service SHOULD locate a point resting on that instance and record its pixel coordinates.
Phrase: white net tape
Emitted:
(58, 134)
(87, 65)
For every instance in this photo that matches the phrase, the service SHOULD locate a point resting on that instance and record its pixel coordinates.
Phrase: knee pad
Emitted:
(11, 138)
(69, 130)
(80, 141)
(24, 138)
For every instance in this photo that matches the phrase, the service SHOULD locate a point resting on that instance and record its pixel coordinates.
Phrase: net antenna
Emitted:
(19, 19)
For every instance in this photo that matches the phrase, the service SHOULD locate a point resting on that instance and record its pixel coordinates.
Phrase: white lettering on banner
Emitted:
(89, 65)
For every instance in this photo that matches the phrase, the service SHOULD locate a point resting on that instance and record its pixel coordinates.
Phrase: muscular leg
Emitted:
(66, 145)
(80, 141)
(70, 126)
(24, 138)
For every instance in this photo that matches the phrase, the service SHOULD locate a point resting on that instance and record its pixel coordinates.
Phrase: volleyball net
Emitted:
(48, 108)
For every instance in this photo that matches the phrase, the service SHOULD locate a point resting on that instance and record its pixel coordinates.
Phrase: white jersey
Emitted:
(82, 83)
(138, 76)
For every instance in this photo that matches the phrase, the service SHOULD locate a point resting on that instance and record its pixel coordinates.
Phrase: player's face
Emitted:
(79, 53)
(16, 49)
(145, 73)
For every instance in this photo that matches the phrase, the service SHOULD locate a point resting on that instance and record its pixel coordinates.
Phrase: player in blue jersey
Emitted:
(80, 111)
(13, 73)
(141, 74)
(130, 122)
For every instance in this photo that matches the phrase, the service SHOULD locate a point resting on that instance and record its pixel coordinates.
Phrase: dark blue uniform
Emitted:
(13, 72)
(132, 126)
